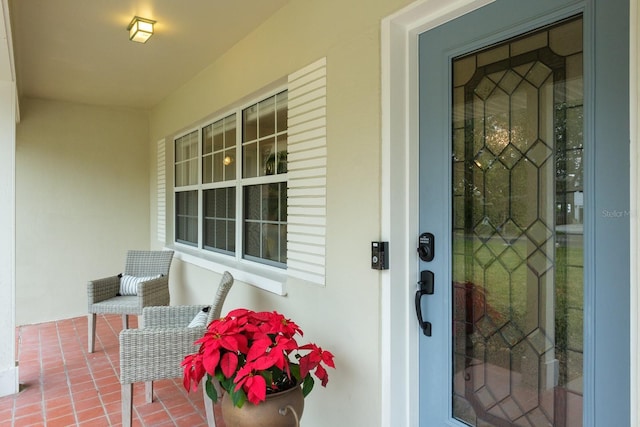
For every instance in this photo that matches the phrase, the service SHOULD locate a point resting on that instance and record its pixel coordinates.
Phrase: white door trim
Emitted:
(400, 332)
(399, 84)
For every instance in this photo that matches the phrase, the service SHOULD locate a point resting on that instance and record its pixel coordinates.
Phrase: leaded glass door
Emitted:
(503, 188)
(517, 164)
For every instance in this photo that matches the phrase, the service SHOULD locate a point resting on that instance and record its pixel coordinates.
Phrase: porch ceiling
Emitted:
(79, 50)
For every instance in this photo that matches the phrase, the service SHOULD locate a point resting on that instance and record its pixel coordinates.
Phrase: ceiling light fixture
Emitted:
(140, 29)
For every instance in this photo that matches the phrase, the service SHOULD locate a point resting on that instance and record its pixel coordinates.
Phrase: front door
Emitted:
(524, 166)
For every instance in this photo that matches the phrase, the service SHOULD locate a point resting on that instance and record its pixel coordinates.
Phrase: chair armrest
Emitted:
(102, 289)
(155, 354)
(172, 316)
(153, 292)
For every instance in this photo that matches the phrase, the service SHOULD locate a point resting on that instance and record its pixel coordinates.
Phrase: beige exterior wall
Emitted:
(343, 316)
(82, 200)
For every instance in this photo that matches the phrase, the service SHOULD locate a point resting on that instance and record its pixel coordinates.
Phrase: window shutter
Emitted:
(161, 181)
(307, 171)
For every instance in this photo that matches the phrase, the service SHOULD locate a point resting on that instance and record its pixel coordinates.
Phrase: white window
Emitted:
(231, 187)
(249, 188)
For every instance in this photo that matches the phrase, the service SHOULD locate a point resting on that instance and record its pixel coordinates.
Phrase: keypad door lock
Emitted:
(426, 247)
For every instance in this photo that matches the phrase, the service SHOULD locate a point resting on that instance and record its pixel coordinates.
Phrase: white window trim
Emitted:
(307, 187)
(263, 276)
(252, 273)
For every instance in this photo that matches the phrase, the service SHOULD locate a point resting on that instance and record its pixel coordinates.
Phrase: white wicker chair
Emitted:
(156, 351)
(103, 294)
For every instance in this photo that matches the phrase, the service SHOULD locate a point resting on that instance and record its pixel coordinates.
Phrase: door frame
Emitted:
(399, 201)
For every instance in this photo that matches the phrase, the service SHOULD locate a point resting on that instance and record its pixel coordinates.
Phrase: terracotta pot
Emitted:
(267, 413)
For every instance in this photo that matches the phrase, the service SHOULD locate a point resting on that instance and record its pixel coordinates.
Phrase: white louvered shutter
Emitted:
(307, 171)
(161, 183)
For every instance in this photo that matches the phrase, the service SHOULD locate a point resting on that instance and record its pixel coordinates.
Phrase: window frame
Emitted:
(271, 275)
(307, 157)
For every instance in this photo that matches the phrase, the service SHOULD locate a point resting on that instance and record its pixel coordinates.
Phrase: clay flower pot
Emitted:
(282, 409)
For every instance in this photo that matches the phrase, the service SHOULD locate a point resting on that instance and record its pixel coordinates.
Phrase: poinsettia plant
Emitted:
(252, 354)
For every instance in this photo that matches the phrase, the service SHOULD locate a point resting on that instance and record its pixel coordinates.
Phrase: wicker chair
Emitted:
(103, 294)
(155, 351)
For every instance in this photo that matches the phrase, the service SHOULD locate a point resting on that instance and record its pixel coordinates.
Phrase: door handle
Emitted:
(426, 288)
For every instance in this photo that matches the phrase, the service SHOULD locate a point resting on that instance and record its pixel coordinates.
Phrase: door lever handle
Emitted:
(426, 288)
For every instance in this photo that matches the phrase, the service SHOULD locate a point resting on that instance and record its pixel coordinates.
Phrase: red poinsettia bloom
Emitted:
(249, 354)
(313, 361)
(193, 372)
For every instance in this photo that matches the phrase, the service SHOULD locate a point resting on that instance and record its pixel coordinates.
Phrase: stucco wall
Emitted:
(8, 368)
(82, 200)
(343, 316)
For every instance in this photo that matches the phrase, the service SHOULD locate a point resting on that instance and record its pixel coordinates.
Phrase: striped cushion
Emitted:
(129, 284)
(200, 319)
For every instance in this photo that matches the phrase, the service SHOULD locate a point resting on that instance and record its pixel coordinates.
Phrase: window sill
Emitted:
(263, 278)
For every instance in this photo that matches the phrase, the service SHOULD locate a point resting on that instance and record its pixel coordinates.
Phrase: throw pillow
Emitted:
(129, 284)
(200, 319)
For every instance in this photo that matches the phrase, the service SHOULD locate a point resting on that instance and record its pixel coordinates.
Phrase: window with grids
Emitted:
(231, 186)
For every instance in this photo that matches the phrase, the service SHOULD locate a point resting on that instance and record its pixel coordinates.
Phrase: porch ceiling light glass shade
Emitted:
(140, 29)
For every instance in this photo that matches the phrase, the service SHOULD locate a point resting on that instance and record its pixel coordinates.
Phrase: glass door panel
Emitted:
(517, 234)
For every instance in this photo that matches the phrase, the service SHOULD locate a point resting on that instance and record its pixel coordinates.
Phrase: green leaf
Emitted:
(226, 383)
(295, 372)
(211, 390)
(307, 385)
(238, 397)
(267, 375)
